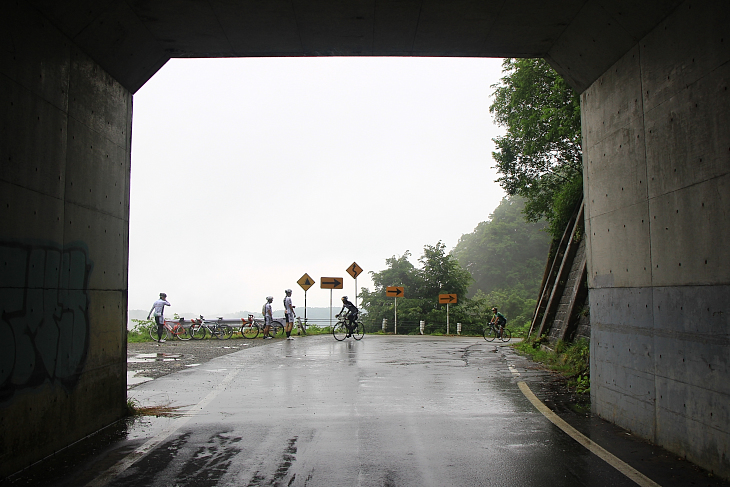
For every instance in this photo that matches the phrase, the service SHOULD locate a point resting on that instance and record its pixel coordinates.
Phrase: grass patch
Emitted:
(140, 331)
(572, 360)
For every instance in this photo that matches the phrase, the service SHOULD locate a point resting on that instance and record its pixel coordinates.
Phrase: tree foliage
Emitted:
(439, 273)
(505, 251)
(505, 256)
(540, 157)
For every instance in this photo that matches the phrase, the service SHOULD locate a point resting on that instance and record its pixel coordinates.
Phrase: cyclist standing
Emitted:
(352, 313)
(499, 320)
(158, 308)
(289, 314)
(268, 316)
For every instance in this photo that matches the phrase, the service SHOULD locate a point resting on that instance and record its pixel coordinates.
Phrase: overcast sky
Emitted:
(248, 173)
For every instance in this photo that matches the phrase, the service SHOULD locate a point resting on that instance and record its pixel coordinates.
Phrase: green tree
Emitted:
(504, 252)
(399, 272)
(439, 273)
(506, 257)
(540, 157)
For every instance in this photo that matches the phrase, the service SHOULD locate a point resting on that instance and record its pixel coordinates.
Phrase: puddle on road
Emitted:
(133, 379)
(154, 357)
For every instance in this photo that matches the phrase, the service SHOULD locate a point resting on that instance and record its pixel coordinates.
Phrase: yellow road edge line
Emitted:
(589, 444)
(153, 442)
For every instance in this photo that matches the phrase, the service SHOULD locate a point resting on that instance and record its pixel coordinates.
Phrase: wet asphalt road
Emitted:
(384, 411)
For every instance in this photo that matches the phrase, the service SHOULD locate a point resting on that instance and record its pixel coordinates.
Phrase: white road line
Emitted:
(153, 442)
(594, 448)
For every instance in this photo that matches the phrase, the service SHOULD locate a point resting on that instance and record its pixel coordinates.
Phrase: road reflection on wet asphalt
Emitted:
(384, 411)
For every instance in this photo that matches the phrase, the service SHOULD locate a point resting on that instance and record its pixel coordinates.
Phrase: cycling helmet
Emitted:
(287, 291)
(494, 309)
(163, 295)
(269, 298)
(344, 298)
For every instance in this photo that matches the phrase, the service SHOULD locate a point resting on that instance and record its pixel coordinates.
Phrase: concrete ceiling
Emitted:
(132, 39)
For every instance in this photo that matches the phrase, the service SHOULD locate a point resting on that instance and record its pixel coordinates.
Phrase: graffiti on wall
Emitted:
(44, 321)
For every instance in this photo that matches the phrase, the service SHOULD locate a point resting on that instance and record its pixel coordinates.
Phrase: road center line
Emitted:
(594, 448)
(153, 442)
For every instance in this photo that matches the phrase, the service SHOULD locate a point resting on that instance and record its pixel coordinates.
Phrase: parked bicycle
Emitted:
(341, 330)
(301, 326)
(201, 327)
(250, 327)
(171, 328)
(492, 331)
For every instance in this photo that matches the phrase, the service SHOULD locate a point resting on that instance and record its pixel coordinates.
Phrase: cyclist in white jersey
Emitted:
(289, 313)
(268, 316)
(158, 309)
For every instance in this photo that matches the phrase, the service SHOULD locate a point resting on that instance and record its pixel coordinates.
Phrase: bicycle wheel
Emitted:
(277, 329)
(181, 333)
(153, 333)
(490, 334)
(359, 331)
(197, 331)
(339, 331)
(249, 330)
(506, 335)
(225, 332)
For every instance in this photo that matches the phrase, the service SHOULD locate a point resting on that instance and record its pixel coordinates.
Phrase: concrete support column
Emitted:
(64, 206)
(657, 186)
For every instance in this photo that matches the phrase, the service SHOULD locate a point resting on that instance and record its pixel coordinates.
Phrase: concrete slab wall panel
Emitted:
(657, 159)
(64, 203)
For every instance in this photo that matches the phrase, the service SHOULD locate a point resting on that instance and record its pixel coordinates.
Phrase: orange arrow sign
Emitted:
(447, 298)
(330, 283)
(394, 291)
(305, 281)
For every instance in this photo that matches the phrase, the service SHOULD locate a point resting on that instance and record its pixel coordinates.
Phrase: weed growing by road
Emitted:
(165, 410)
(140, 331)
(570, 359)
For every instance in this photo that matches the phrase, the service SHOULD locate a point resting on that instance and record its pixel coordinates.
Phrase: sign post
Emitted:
(395, 292)
(354, 270)
(330, 283)
(305, 282)
(448, 299)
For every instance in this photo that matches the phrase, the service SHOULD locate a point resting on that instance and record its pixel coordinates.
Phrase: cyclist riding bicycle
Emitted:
(499, 320)
(352, 313)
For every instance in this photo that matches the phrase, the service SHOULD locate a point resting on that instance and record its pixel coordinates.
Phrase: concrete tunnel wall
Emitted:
(656, 150)
(657, 186)
(64, 201)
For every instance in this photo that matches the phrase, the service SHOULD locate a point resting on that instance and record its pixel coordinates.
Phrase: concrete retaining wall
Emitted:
(657, 186)
(64, 206)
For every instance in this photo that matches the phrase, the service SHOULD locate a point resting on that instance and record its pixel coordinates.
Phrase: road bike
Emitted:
(171, 328)
(341, 330)
(301, 326)
(250, 327)
(492, 331)
(201, 327)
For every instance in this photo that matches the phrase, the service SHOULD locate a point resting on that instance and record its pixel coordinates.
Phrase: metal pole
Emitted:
(356, 292)
(330, 308)
(395, 325)
(447, 318)
(305, 308)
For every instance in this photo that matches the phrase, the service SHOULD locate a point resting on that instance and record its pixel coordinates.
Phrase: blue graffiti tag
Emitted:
(44, 315)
